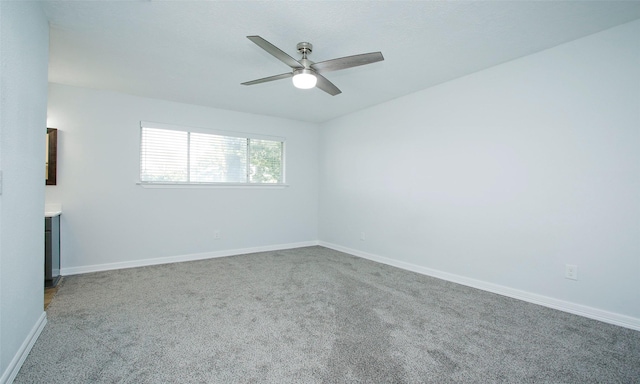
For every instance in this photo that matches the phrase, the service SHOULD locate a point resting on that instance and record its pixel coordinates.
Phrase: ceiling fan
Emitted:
(307, 74)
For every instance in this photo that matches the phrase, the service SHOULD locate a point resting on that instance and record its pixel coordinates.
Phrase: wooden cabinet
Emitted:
(51, 251)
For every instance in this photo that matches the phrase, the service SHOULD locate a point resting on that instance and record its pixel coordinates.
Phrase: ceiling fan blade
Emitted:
(270, 78)
(326, 85)
(276, 52)
(347, 62)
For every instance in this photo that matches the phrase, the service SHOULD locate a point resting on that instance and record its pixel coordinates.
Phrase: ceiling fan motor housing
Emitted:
(304, 48)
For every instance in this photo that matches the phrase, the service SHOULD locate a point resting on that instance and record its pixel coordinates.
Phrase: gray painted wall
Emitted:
(107, 218)
(24, 39)
(503, 176)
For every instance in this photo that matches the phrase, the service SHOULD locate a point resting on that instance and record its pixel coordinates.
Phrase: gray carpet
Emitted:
(312, 315)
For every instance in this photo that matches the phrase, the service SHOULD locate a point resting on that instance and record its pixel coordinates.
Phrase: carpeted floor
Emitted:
(312, 315)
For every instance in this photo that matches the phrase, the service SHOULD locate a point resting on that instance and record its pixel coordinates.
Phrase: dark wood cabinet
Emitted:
(51, 251)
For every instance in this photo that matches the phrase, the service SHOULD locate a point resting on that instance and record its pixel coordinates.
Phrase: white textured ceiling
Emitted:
(197, 52)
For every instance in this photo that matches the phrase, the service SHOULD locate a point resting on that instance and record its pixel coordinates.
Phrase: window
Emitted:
(177, 155)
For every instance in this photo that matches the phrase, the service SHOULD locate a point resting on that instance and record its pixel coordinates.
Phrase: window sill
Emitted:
(211, 185)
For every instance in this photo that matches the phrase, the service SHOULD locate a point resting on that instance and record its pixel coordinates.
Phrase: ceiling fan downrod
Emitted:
(305, 49)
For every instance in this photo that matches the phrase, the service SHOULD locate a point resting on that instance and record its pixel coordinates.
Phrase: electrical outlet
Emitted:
(362, 236)
(216, 234)
(571, 271)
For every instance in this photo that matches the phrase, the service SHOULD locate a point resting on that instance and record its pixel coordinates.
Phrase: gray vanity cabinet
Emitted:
(51, 251)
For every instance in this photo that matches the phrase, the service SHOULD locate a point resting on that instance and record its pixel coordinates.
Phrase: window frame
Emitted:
(210, 131)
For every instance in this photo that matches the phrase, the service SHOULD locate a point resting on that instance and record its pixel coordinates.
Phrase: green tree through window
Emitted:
(266, 161)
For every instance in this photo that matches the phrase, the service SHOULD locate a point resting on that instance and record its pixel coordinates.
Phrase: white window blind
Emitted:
(164, 155)
(182, 156)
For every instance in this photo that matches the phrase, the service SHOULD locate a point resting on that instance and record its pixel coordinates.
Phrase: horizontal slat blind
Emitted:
(164, 155)
(183, 157)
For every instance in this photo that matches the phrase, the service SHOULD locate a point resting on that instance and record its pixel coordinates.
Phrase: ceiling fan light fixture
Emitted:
(305, 72)
(304, 79)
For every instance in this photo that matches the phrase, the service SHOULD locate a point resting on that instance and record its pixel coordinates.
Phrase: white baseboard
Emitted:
(16, 363)
(577, 309)
(565, 306)
(180, 258)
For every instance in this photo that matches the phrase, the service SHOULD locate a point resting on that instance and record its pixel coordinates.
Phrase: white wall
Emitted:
(24, 40)
(109, 219)
(503, 177)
